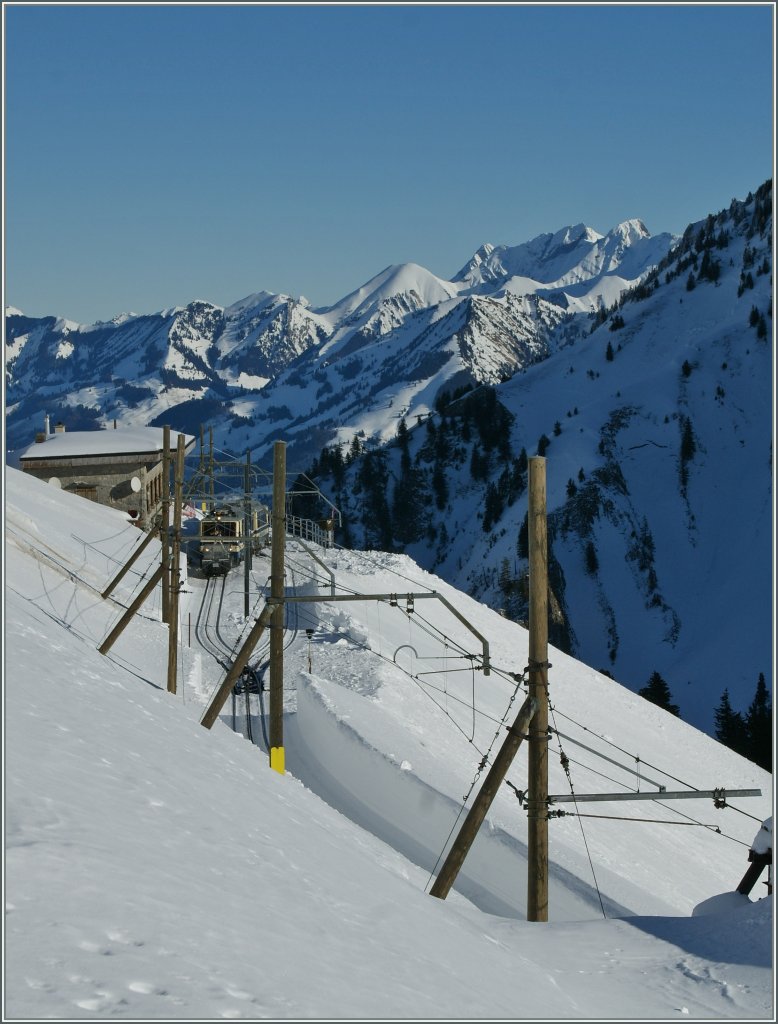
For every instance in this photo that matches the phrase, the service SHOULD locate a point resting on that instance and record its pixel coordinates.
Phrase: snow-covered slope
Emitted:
(155, 870)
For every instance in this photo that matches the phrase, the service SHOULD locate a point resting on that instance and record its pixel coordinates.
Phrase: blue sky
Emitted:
(159, 153)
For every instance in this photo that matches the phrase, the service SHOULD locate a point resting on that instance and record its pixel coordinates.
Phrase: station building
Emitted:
(121, 468)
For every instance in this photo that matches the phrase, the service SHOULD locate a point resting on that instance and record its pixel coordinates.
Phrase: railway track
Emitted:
(208, 633)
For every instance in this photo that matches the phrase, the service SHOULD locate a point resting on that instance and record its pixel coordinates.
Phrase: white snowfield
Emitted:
(158, 870)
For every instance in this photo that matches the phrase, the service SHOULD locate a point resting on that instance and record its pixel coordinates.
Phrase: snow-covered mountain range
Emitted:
(492, 318)
(640, 365)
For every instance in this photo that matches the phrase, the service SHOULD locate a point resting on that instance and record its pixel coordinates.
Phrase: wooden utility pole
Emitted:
(178, 489)
(483, 802)
(278, 538)
(537, 792)
(210, 439)
(165, 525)
(246, 534)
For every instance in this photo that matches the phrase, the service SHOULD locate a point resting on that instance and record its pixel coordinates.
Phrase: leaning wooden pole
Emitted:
(482, 803)
(130, 561)
(537, 789)
(165, 525)
(118, 629)
(241, 660)
(278, 542)
(178, 491)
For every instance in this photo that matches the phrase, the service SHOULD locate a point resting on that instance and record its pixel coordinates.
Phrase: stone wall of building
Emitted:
(108, 481)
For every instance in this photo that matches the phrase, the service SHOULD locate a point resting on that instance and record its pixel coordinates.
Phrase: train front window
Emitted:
(218, 528)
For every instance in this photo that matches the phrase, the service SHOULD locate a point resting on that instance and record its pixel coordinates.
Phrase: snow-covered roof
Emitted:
(122, 441)
(763, 841)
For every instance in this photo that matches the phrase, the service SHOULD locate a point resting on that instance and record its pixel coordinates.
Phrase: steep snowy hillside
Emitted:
(656, 423)
(146, 858)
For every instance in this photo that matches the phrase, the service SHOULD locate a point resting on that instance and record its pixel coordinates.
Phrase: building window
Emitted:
(84, 491)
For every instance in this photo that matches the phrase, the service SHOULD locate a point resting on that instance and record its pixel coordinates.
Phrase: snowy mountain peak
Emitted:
(630, 230)
(482, 253)
(252, 301)
(399, 279)
(579, 233)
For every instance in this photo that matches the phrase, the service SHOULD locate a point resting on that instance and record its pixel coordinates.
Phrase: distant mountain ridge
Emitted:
(136, 368)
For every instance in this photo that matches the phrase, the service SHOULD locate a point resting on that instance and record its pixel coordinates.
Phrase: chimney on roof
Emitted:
(60, 428)
(47, 425)
(40, 438)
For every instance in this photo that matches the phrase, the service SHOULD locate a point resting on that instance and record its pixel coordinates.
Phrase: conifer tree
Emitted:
(730, 727)
(409, 504)
(440, 486)
(688, 449)
(592, 562)
(658, 692)
(522, 541)
(504, 576)
(758, 726)
(479, 464)
(405, 456)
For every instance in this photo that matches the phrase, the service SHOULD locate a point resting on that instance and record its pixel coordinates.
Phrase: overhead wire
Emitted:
(484, 761)
(566, 768)
(434, 632)
(648, 764)
(418, 682)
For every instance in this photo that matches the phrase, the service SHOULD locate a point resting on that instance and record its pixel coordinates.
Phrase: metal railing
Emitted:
(311, 530)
